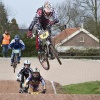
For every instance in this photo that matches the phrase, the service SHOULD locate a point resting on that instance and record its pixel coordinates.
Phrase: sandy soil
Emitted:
(70, 72)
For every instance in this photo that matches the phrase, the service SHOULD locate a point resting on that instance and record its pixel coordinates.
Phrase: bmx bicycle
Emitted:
(15, 58)
(46, 47)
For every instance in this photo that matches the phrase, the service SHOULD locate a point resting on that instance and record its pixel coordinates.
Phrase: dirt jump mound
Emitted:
(9, 91)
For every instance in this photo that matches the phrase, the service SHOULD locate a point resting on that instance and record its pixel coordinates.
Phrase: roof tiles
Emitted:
(64, 34)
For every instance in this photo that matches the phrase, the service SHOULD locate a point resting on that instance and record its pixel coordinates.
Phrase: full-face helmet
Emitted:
(17, 38)
(36, 72)
(47, 8)
(27, 63)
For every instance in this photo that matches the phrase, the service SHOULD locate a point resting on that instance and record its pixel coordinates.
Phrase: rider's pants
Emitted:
(22, 78)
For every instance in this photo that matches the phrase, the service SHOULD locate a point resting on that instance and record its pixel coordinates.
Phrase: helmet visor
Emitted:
(17, 39)
(35, 74)
(48, 7)
(27, 65)
(47, 13)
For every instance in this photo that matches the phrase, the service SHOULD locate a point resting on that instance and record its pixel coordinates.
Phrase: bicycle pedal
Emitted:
(51, 57)
(11, 64)
(18, 62)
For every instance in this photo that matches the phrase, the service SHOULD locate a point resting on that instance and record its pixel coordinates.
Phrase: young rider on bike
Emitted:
(16, 44)
(34, 80)
(24, 73)
(45, 17)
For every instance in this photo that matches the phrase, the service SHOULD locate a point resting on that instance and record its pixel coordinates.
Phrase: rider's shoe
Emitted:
(11, 64)
(20, 91)
(40, 51)
(24, 90)
(51, 57)
(18, 62)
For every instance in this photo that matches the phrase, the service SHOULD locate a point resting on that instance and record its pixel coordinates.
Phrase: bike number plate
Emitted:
(44, 35)
(15, 51)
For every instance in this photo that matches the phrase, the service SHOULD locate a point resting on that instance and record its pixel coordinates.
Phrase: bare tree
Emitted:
(63, 10)
(70, 14)
(91, 9)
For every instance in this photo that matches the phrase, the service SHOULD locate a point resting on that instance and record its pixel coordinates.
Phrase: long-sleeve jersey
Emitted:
(35, 81)
(26, 71)
(16, 45)
(41, 22)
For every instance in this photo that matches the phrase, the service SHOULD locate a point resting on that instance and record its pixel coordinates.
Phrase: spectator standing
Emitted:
(5, 40)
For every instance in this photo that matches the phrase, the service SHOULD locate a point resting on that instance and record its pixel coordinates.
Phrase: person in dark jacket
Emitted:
(23, 73)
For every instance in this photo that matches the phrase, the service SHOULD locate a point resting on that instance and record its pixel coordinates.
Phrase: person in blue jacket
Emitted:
(16, 44)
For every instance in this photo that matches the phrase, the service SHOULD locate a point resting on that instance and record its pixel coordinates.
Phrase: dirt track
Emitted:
(70, 72)
(13, 96)
(9, 91)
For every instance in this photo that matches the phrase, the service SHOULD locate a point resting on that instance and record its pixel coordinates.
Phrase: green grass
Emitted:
(82, 88)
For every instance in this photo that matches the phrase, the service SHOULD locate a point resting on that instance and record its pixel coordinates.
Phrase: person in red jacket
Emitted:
(45, 17)
(5, 40)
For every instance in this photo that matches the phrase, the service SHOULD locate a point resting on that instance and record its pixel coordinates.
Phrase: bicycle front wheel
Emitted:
(53, 50)
(14, 68)
(43, 59)
(15, 62)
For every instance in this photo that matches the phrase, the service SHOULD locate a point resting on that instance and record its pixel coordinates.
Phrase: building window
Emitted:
(81, 39)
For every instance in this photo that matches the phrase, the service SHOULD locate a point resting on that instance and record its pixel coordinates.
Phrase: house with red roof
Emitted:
(76, 38)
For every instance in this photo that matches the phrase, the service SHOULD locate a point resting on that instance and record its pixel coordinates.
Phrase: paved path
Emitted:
(70, 72)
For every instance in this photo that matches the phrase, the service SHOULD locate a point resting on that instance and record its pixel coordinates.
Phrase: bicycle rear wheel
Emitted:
(14, 66)
(53, 50)
(15, 62)
(43, 59)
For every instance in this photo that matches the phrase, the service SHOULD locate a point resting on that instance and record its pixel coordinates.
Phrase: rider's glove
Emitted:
(39, 31)
(18, 74)
(51, 23)
(44, 91)
(29, 34)
(18, 77)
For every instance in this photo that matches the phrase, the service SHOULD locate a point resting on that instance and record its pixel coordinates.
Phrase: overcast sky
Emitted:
(24, 10)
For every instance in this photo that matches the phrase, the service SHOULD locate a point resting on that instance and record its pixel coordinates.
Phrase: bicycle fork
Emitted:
(48, 47)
